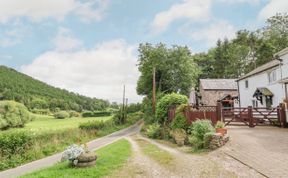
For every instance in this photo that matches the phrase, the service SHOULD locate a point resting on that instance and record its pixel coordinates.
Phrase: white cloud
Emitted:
(241, 1)
(273, 7)
(210, 33)
(64, 41)
(194, 10)
(37, 10)
(14, 34)
(99, 72)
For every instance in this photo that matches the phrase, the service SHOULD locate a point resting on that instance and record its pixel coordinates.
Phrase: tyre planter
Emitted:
(222, 131)
(86, 159)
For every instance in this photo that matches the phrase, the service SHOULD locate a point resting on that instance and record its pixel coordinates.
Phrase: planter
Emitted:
(180, 141)
(222, 131)
(86, 159)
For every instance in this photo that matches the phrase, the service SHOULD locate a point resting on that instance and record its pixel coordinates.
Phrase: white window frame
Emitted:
(272, 77)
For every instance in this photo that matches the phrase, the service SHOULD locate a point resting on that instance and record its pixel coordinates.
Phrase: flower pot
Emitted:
(180, 141)
(222, 131)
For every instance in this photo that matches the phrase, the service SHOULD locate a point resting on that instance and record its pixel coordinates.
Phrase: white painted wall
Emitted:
(261, 80)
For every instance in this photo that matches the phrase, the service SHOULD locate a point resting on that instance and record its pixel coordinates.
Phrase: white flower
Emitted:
(72, 152)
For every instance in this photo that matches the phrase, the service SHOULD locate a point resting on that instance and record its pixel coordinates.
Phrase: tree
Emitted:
(175, 69)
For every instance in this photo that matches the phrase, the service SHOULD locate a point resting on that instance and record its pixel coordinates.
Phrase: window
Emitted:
(255, 103)
(246, 84)
(272, 76)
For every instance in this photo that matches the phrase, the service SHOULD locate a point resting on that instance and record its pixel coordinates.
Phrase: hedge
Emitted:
(96, 113)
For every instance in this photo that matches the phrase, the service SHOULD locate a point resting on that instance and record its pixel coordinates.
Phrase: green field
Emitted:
(110, 158)
(48, 123)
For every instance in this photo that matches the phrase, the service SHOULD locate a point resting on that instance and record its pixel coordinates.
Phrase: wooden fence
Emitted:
(234, 116)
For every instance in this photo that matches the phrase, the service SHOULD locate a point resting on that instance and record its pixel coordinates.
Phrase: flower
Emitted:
(72, 152)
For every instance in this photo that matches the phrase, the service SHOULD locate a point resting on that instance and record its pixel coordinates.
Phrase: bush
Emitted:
(61, 115)
(13, 114)
(74, 114)
(41, 111)
(96, 125)
(179, 122)
(198, 130)
(207, 139)
(154, 131)
(219, 125)
(166, 102)
(14, 143)
(96, 113)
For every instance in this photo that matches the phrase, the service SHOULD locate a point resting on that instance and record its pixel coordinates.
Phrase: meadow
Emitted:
(43, 123)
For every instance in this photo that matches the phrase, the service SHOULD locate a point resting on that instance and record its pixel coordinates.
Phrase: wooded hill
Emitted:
(35, 94)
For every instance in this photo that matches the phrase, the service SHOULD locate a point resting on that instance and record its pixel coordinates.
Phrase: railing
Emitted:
(230, 115)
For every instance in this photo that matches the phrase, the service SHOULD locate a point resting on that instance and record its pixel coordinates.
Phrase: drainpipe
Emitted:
(238, 94)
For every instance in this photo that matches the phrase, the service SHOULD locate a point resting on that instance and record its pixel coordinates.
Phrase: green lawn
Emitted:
(49, 123)
(153, 151)
(110, 158)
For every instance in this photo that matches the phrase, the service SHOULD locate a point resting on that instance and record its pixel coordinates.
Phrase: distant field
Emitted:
(49, 123)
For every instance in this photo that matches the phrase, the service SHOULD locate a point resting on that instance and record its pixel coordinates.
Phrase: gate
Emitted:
(248, 116)
(254, 116)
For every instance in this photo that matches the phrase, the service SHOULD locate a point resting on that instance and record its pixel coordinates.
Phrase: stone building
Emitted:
(213, 90)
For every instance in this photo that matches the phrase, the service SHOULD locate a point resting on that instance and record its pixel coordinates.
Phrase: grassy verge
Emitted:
(20, 147)
(110, 158)
(153, 151)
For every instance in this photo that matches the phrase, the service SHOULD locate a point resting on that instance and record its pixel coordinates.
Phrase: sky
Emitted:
(90, 46)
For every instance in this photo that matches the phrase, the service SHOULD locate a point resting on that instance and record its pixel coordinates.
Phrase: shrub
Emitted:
(41, 111)
(61, 115)
(95, 125)
(14, 142)
(219, 125)
(154, 131)
(207, 139)
(179, 122)
(96, 113)
(198, 129)
(13, 114)
(74, 114)
(165, 103)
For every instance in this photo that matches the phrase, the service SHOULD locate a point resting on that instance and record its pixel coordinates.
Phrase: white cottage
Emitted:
(265, 86)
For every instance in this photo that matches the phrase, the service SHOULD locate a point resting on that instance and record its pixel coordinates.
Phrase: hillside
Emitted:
(35, 94)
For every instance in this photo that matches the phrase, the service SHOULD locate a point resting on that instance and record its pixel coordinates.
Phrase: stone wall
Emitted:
(210, 97)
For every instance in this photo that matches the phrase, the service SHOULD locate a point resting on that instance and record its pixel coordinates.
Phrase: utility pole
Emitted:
(123, 108)
(154, 91)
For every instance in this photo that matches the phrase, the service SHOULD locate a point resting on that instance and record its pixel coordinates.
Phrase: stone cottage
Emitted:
(213, 90)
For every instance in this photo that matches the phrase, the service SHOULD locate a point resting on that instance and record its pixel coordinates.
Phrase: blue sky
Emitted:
(90, 46)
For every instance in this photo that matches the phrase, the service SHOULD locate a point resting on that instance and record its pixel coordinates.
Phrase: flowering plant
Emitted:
(72, 152)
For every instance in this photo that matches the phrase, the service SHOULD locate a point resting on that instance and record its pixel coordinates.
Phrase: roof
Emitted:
(282, 52)
(218, 84)
(262, 91)
(260, 69)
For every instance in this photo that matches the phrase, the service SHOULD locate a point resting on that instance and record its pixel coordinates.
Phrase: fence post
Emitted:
(250, 116)
(282, 115)
(219, 112)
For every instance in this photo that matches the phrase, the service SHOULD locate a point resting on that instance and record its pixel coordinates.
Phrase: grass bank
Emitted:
(110, 158)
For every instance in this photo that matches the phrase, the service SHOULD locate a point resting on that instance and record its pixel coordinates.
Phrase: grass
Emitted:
(46, 142)
(110, 158)
(153, 151)
(48, 123)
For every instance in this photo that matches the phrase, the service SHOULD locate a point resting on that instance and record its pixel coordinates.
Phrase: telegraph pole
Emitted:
(154, 91)
(123, 107)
